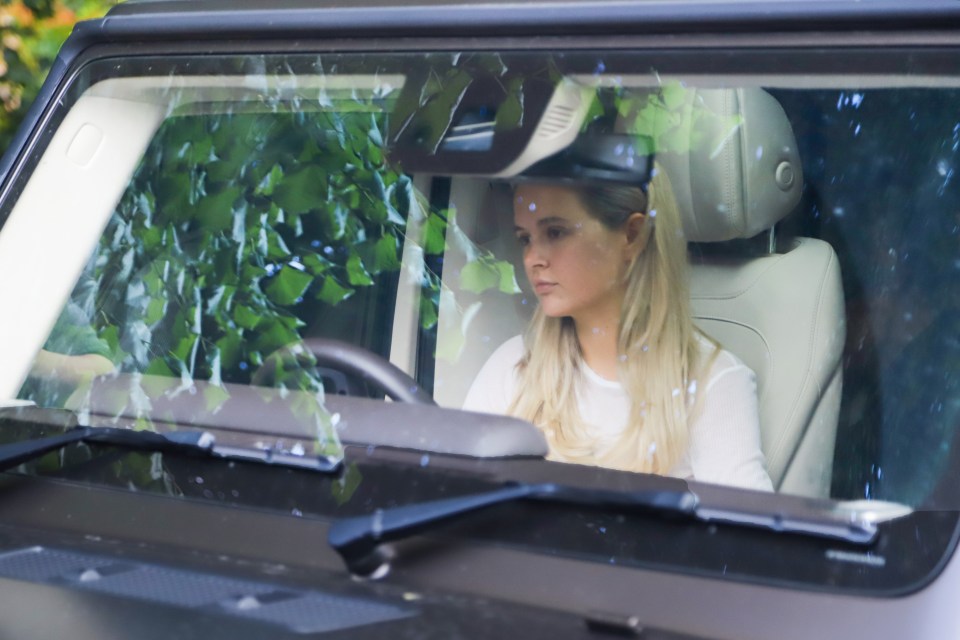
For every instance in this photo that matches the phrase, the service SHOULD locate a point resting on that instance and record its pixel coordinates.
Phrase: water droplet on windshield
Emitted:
(90, 575)
(296, 512)
(424, 460)
(246, 603)
(198, 480)
(376, 526)
(297, 449)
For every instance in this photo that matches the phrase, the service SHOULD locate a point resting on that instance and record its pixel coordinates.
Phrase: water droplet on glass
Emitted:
(376, 524)
(653, 213)
(297, 449)
(692, 389)
(676, 392)
(424, 460)
(198, 480)
(296, 512)
(90, 575)
(533, 206)
(246, 603)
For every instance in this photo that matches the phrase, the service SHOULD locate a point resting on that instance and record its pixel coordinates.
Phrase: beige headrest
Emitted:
(742, 173)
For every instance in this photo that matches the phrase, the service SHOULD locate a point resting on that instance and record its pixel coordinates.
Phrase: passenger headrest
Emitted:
(742, 173)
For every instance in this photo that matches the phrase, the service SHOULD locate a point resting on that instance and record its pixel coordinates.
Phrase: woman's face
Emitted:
(575, 264)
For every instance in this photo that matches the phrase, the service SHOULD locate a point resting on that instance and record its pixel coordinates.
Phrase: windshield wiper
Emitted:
(358, 539)
(191, 442)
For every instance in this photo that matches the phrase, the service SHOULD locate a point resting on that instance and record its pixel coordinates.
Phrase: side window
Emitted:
(238, 235)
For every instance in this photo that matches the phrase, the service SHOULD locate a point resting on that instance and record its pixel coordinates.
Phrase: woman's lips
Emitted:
(542, 287)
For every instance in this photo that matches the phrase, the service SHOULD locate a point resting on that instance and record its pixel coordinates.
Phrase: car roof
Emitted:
(506, 17)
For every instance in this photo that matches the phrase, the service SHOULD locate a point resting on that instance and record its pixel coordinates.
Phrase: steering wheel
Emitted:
(352, 360)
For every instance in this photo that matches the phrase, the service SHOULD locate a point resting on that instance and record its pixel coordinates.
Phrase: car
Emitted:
(257, 258)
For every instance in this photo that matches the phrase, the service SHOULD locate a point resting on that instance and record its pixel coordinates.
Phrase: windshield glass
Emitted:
(727, 277)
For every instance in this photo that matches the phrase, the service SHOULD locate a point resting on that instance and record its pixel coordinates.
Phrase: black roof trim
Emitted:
(258, 19)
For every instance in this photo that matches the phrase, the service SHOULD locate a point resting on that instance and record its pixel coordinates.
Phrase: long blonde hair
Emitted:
(658, 345)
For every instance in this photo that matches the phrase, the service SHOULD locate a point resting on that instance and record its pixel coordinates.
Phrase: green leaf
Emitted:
(344, 488)
(184, 348)
(287, 286)
(510, 114)
(214, 397)
(508, 278)
(155, 311)
(428, 312)
(215, 212)
(246, 317)
(158, 367)
(386, 254)
(356, 274)
(478, 276)
(332, 292)
(674, 95)
(302, 190)
(270, 181)
(434, 234)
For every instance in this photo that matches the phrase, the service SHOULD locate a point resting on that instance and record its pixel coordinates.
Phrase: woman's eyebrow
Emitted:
(543, 222)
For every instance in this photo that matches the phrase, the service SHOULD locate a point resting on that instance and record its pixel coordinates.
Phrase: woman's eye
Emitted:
(523, 240)
(555, 233)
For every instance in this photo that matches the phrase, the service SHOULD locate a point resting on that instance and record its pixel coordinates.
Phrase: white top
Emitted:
(724, 440)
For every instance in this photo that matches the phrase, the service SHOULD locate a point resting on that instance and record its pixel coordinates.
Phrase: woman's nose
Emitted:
(534, 256)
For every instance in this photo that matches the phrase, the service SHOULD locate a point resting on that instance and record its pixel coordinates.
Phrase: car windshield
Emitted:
(196, 236)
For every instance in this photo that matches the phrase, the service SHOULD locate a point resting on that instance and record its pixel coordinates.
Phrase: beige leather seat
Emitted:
(779, 308)
(782, 313)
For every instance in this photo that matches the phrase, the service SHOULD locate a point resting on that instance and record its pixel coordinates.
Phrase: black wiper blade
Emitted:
(358, 539)
(192, 442)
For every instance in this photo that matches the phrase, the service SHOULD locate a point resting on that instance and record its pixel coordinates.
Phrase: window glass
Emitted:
(254, 203)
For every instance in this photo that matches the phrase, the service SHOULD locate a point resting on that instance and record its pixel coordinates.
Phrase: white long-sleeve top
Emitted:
(724, 445)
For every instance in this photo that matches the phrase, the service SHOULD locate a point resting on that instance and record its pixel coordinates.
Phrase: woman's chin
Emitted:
(554, 311)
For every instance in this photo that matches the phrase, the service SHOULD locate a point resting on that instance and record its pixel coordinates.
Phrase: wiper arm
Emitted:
(358, 539)
(193, 442)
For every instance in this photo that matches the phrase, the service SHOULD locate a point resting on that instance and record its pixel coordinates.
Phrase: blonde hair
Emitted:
(657, 342)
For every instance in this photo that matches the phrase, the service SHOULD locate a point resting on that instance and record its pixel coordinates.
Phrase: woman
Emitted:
(612, 368)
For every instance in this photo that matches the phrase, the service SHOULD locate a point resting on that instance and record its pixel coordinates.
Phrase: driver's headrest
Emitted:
(738, 173)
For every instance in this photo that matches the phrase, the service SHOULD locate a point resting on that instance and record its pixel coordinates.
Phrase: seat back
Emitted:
(779, 310)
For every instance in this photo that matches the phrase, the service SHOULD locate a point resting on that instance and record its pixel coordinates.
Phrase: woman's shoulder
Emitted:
(720, 363)
(508, 353)
(492, 388)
